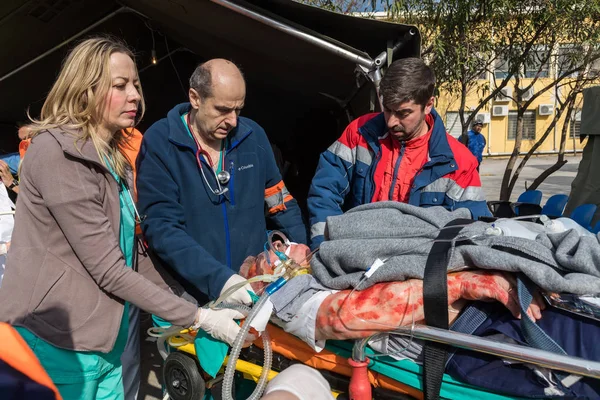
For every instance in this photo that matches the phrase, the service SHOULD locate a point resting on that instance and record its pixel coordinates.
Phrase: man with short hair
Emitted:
(476, 141)
(402, 154)
(207, 182)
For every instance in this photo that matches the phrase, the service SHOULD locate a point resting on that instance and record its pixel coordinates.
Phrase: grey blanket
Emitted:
(402, 236)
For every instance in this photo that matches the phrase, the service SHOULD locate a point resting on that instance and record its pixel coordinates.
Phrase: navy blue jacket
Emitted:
(203, 237)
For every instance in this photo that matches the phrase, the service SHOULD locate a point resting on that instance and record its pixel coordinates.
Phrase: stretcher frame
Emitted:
(573, 365)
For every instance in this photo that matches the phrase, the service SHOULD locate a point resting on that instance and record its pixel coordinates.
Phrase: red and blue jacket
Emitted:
(201, 237)
(345, 176)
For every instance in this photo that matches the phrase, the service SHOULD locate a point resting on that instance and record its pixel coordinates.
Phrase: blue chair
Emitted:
(555, 205)
(530, 197)
(596, 228)
(528, 203)
(583, 215)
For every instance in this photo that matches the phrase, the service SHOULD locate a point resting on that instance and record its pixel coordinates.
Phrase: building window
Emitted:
(453, 125)
(482, 65)
(528, 125)
(537, 63)
(500, 68)
(569, 57)
(575, 124)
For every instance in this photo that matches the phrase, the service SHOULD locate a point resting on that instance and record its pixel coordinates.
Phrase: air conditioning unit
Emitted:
(546, 109)
(484, 118)
(504, 95)
(528, 94)
(500, 111)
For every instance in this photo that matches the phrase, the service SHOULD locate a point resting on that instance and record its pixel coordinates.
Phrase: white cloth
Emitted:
(7, 222)
(303, 382)
(303, 324)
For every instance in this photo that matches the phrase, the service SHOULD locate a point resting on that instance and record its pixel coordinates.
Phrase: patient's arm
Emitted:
(384, 306)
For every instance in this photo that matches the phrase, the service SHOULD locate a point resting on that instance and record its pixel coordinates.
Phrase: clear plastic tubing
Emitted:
(235, 353)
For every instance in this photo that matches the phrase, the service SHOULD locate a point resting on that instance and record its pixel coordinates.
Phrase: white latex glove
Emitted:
(304, 382)
(219, 324)
(241, 295)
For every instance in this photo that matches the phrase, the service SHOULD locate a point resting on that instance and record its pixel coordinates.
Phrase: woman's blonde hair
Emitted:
(76, 100)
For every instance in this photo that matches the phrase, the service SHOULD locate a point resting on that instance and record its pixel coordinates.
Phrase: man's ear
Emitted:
(429, 105)
(195, 99)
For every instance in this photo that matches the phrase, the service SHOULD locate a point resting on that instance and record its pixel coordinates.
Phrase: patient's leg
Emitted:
(384, 306)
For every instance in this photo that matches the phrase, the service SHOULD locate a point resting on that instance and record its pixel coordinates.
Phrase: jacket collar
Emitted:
(178, 132)
(71, 144)
(439, 148)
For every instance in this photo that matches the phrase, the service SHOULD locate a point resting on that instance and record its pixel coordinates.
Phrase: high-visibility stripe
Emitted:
(454, 191)
(16, 353)
(276, 197)
(349, 155)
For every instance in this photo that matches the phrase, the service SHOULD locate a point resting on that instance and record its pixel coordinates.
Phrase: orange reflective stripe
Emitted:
(16, 353)
(295, 349)
(274, 189)
(277, 208)
(276, 197)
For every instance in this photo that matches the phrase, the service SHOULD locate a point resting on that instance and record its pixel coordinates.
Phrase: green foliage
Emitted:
(514, 41)
(465, 40)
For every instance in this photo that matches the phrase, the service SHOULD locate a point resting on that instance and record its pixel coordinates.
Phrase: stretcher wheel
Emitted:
(182, 378)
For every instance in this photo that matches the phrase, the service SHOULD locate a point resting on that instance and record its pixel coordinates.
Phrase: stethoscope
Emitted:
(223, 177)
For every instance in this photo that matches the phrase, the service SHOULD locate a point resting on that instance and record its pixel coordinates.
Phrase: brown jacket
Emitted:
(66, 277)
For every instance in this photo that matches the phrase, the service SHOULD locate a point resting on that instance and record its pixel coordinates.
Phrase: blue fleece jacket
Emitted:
(201, 236)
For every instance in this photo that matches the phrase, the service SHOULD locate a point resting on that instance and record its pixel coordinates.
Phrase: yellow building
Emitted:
(500, 117)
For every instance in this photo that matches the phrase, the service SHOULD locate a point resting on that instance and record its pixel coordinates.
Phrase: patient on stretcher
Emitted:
(345, 314)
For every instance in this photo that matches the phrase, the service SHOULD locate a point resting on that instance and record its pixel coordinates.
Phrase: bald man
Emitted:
(207, 185)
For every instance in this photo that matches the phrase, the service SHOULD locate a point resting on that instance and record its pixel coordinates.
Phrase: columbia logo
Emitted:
(243, 167)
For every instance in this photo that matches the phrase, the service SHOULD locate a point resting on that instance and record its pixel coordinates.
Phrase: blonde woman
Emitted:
(68, 279)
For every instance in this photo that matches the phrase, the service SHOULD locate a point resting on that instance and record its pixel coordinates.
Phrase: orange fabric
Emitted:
(274, 189)
(23, 145)
(130, 149)
(16, 353)
(280, 207)
(415, 156)
(293, 348)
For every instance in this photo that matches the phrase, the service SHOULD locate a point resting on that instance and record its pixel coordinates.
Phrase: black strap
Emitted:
(435, 307)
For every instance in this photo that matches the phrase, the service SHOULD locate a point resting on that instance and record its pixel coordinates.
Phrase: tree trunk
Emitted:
(508, 185)
(560, 161)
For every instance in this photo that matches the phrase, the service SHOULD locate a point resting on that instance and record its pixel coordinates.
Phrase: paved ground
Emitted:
(492, 171)
(491, 176)
(151, 364)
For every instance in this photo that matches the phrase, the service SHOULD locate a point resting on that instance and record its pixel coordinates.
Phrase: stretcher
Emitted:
(389, 378)
(353, 370)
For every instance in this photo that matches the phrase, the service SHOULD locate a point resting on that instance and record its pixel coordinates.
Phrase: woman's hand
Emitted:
(497, 286)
